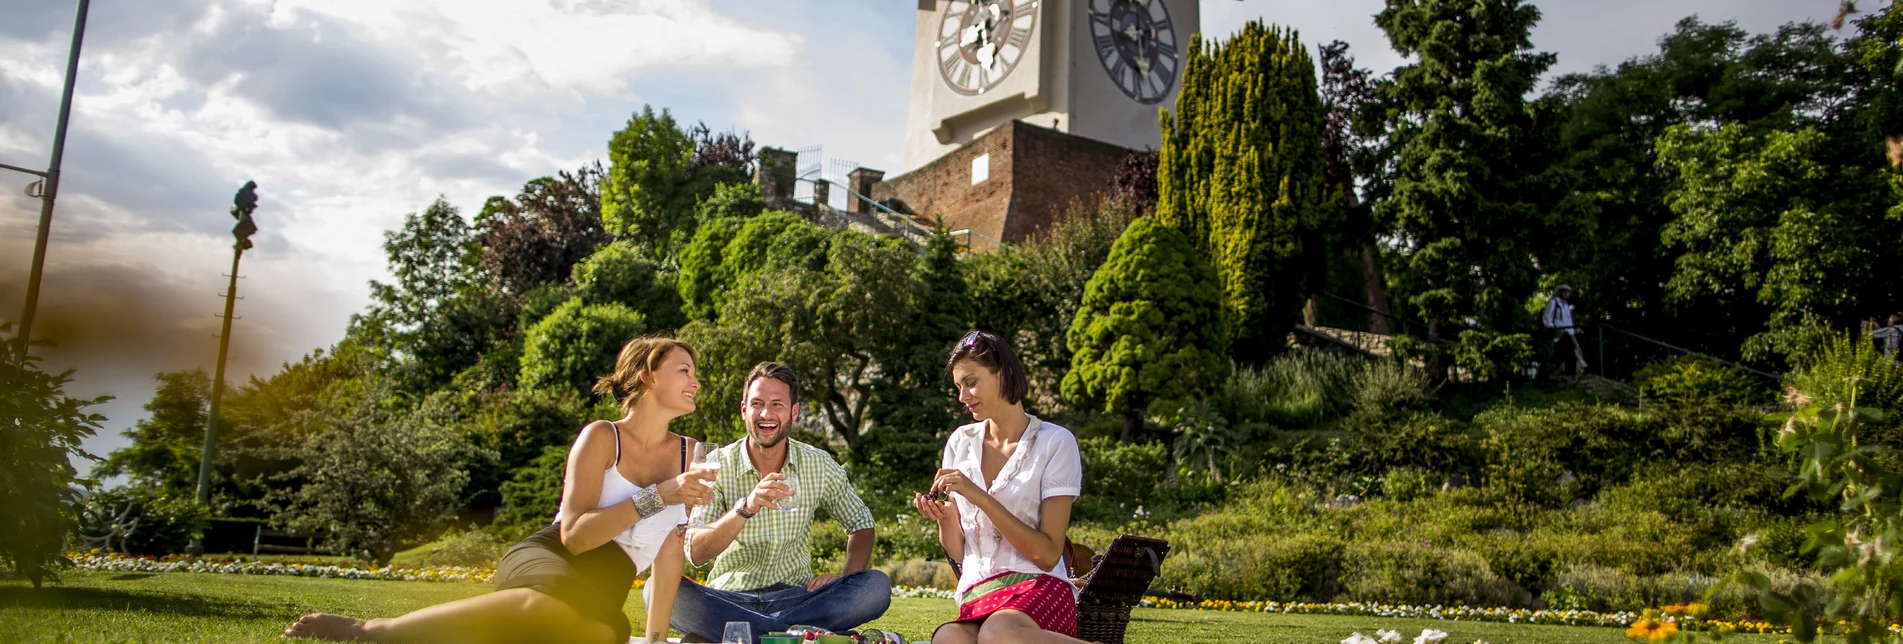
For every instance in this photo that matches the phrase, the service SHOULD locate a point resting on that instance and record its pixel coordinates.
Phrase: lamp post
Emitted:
(241, 207)
(49, 183)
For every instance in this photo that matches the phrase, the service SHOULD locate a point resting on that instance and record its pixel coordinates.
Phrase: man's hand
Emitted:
(821, 580)
(771, 489)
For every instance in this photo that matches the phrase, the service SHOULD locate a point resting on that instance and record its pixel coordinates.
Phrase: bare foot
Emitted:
(325, 626)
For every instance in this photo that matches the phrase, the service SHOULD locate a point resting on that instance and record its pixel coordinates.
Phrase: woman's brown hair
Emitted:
(639, 357)
(992, 353)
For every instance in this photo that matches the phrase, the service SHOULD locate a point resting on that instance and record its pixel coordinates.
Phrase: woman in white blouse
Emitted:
(1002, 502)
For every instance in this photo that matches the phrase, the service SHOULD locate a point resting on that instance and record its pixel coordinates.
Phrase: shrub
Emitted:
(1417, 573)
(1407, 483)
(920, 573)
(575, 344)
(1387, 386)
(467, 548)
(1696, 378)
(1844, 365)
(141, 521)
(1118, 472)
(532, 495)
(1301, 388)
(41, 435)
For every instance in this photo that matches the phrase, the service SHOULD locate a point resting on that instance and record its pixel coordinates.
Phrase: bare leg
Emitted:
(956, 634)
(1012, 627)
(504, 615)
(664, 580)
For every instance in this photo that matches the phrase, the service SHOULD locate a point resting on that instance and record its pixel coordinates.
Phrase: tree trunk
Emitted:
(1132, 424)
(1376, 291)
(1312, 312)
(1437, 354)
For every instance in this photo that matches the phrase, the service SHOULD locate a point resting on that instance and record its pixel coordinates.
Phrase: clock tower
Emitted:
(1098, 69)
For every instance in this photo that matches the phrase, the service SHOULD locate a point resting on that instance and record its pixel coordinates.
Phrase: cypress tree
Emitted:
(1242, 174)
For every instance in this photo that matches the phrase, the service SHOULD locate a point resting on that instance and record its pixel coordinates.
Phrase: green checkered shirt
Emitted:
(774, 546)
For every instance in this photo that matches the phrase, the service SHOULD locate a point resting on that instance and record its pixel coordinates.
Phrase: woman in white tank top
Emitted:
(621, 512)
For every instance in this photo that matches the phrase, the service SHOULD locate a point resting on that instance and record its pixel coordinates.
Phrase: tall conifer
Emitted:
(1241, 173)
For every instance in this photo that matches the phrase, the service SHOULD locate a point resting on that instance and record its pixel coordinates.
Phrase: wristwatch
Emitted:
(740, 508)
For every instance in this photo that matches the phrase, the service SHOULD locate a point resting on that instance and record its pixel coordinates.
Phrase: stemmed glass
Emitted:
(705, 460)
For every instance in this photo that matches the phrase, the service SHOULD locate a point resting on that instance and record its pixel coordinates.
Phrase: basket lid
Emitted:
(1126, 569)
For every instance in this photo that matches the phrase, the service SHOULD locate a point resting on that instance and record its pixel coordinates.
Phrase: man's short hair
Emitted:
(1896, 318)
(990, 351)
(778, 372)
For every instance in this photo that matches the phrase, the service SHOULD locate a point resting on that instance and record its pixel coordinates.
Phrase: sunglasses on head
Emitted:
(970, 339)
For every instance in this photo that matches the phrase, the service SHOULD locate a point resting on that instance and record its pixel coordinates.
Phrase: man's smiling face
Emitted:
(769, 411)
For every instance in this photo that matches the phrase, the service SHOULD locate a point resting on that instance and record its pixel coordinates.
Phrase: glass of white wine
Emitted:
(705, 460)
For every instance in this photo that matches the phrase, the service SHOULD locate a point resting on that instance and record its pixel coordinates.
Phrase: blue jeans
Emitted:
(702, 613)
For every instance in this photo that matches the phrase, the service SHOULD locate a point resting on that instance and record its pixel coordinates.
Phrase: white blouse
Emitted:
(1044, 465)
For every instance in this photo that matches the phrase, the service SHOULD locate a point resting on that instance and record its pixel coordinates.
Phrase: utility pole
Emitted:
(241, 208)
(49, 183)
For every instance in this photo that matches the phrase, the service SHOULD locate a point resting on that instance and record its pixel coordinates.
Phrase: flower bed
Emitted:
(328, 569)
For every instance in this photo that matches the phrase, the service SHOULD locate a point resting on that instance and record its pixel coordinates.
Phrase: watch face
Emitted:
(1136, 42)
(981, 41)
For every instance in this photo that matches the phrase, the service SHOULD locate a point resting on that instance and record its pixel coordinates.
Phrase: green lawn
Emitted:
(188, 607)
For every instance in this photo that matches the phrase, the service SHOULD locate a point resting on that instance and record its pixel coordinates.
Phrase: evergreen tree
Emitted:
(1150, 335)
(167, 445)
(1462, 135)
(909, 407)
(1241, 173)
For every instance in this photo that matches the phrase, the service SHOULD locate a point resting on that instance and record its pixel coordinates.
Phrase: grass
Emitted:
(190, 607)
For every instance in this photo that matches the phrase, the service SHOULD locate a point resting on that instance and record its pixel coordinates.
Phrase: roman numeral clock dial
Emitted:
(1137, 45)
(981, 41)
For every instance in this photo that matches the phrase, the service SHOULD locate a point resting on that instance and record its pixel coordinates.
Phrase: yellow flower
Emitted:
(1651, 630)
(1673, 609)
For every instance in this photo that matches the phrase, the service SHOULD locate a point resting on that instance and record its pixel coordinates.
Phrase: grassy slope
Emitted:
(186, 607)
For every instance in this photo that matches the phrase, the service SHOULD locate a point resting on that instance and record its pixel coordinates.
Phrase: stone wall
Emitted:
(1034, 173)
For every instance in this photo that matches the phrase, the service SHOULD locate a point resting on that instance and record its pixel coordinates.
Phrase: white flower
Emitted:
(1430, 636)
(1358, 638)
(1388, 636)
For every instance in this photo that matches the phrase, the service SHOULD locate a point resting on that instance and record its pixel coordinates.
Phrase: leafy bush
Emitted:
(1407, 483)
(41, 429)
(531, 497)
(1844, 366)
(1696, 378)
(467, 548)
(1118, 472)
(1389, 386)
(140, 521)
(1417, 573)
(576, 344)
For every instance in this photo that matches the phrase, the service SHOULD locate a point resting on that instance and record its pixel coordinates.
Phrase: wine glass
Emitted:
(791, 501)
(737, 633)
(705, 460)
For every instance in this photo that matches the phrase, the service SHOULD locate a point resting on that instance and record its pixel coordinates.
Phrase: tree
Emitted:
(622, 273)
(659, 172)
(909, 408)
(726, 251)
(1463, 142)
(830, 325)
(167, 445)
(1241, 172)
(1615, 205)
(1770, 227)
(570, 349)
(41, 431)
(532, 495)
(1347, 92)
(438, 317)
(538, 237)
(380, 476)
(1150, 335)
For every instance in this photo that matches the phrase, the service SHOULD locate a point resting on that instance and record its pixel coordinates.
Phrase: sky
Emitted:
(350, 114)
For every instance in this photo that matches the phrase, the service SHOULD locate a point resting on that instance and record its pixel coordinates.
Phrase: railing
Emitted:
(905, 225)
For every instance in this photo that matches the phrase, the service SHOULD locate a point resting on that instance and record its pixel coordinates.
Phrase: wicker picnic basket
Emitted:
(1115, 585)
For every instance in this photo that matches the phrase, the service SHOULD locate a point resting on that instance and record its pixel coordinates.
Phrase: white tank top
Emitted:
(642, 541)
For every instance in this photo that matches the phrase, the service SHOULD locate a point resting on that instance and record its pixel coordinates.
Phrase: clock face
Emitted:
(981, 41)
(1137, 45)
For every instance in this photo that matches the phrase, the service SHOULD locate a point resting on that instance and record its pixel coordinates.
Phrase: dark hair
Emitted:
(1896, 318)
(639, 357)
(990, 351)
(775, 371)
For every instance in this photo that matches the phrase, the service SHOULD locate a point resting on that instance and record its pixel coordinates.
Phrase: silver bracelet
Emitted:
(647, 502)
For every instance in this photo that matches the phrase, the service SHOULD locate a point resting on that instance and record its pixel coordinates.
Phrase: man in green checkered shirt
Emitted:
(763, 571)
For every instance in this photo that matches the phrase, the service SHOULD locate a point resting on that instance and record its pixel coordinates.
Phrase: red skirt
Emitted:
(1046, 599)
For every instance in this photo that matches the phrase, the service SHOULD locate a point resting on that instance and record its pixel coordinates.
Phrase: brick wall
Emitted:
(1034, 175)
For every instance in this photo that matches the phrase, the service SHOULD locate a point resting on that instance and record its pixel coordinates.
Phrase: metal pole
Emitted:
(50, 189)
(217, 395)
(1602, 350)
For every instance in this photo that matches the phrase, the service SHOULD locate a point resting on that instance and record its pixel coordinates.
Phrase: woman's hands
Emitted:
(690, 488)
(944, 512)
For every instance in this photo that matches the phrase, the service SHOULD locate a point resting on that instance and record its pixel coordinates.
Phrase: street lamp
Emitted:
(242, 205)
(49, 183)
